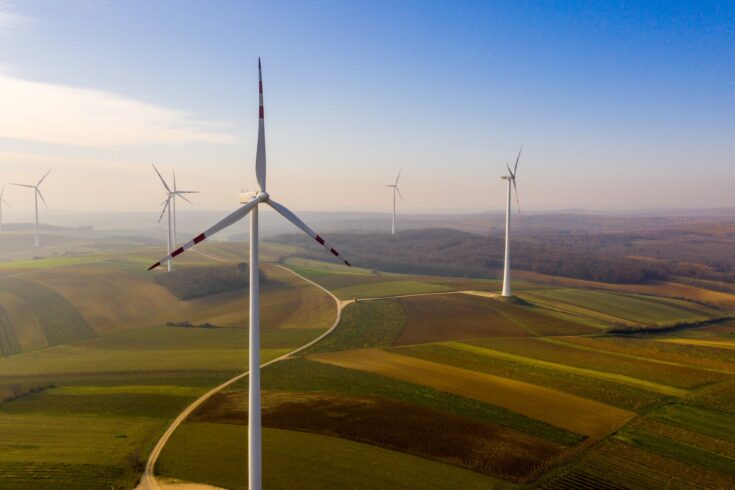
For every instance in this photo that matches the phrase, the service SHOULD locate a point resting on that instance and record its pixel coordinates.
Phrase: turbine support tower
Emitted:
(398, 191)
(506, 270)
(36, 194)
(254, 431)
(511, 178)
(169, 208)
(250, 206)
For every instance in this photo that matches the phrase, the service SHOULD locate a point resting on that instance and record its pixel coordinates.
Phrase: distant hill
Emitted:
(699, 254)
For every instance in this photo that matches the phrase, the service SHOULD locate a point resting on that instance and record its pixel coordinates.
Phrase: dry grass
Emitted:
(554, 407)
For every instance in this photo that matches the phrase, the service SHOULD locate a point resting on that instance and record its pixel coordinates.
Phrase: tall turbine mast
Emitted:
(250, 206)
(169, 208)
(3, 201)
(395, 190)
(36, 194)
(511, 178)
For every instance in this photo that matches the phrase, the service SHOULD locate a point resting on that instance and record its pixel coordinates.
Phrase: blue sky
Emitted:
(619, 105)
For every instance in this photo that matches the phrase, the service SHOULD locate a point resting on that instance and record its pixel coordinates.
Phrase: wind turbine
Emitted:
(511, 178)
(36, 195)
(395, 189)
(168, 205)
(3, 201)
(251, 204)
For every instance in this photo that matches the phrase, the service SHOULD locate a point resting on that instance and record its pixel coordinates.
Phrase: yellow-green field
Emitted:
(94, 380)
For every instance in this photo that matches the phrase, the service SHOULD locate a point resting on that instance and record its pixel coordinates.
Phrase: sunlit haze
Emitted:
(624, 107)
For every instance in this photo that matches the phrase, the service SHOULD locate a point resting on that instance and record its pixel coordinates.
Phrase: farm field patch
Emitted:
(716, 344)
(364, 324)
(563, 410)
(379, 421)
(302, 375)
(625, 396)
(550, 350)
(628, 308)
(300, 460)
(463, 316)
(390, 288)
(615, 464)
(647, 349)
(618, 378)
(664, 289)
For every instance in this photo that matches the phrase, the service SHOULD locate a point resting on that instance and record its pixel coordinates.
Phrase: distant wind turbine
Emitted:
(169, 208)
(511, 178)
(3, 201)
(251, 204)
(36, 195)
(395, 190)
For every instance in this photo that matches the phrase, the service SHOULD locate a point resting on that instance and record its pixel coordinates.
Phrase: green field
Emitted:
(315, 462)
(624, 308)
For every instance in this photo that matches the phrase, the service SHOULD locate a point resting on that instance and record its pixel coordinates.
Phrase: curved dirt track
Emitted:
(148, 480)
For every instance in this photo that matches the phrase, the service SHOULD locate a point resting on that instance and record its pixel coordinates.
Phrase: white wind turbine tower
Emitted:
(3, 201)
(511, 178)
(36, 195)
(251, 204)
(395, 189)
(169, 208)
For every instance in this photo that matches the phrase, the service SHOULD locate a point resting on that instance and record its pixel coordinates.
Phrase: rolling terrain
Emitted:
(89, 382)
(574, 383)
(536, 392)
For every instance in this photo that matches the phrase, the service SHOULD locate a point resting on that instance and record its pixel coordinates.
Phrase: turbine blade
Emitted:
(230, 219)
(515, 189)
(512, 175)
(295, 220)
(2, 192)
(398, 176)
(399, 194)
(174, 172)
(42, 178)
(182, 197)
(161, 177)
(7, 204)
(163, 211)
(41, 196)
(186, 192)
(515, 169)
(23, 185)
(260, 152)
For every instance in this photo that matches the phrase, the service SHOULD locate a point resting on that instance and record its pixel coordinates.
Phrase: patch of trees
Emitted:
(195, 282)
(458, 253)
(188, 324)
(17, 391)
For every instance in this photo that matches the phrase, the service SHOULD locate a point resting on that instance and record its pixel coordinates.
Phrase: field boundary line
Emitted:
(592, 373)
(148, 479)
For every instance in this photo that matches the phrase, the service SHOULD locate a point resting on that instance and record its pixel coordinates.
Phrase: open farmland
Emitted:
(341, 464)
(626, 309)
(591, 418)
(88, 410)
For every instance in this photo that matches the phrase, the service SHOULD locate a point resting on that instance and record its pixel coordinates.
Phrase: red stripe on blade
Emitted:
(320, 240)
(348, 264)
(154, 266)
(199, 238)
(178, 251)
(336, 254)
(261, 112)
(261, 87)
